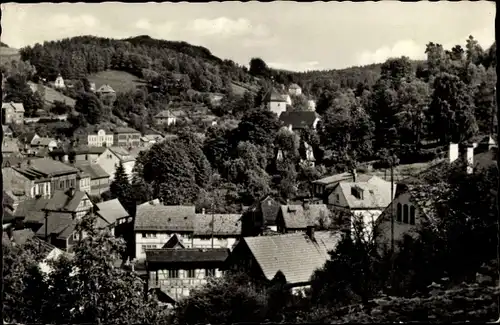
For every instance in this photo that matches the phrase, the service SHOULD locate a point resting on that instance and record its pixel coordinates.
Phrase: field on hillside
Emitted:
(52, 95)
(8, 54)
(120, 81)
(240, 88)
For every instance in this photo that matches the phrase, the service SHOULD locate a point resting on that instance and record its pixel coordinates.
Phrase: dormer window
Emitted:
(357, 192)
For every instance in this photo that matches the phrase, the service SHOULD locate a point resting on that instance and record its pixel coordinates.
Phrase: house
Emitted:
(293, 256)
(9, 147)
(277, 103)
(165, 117)
(107, 158)
(59, 82)
(29, 185)
(156, 223)
(72, 201)
(127, 158)
(322, 187)
(62, 176)
(87, 153)
(7, 131)
(126, 137)
(412, 206)
(176, 271)
(298, 120)
(113, 212)
(98, 177)
(294, 89)
(46, 250)
(42, 143)
(101, 139)
(105, 90)
(311, 104)
(28, 138)
(12, 113)
(366, 199)
(83, 182)
(216, 230)
(260, 216)
(11, 200)
(150, 139)
(92, 86)
(297, 218)
(307, 157)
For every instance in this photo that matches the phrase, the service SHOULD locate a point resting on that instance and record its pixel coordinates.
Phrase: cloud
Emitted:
(64, 21)
(297, 66)
(407, 48)
(143, 24)
(226, 27)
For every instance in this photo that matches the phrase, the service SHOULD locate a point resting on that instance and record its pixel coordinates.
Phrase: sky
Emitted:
(285, 34)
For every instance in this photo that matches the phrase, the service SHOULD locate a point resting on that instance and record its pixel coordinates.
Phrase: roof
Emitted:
(334, 179)
(27, 137)
(123, 154)
(277, 97)
(6, 129)
(62, 201)
(49, 167)
(31, 210)
(105, 89)
(299, 217)
(42, 141)
(9, 145)
(376, 193)
(294, 86)
(187, 255)
(123, 129)
(60, 224)
(223, 225)
(155, 137)
(174, 242)
(158, 217)
(299, 119)
(269, 208)
(95, 171)
(89, 150)
(165, 114)
(111, 210)
(18, 107)
(23, 236)
(295, 255)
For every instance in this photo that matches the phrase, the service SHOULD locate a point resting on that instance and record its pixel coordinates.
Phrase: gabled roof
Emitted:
(63, 201)
(60, 224)
(334, 179)
(187, 255)
(277, 97)
(111, 210)
(174, 242)
(27, 137)
(86, 150)
(42, 141)
(31, 210)
(123, 154)
(269, 208)
(376, 193)
(223, 224)
(299, 119)
(169, 218)
(123, 129)
(49, 167)
(95, 171)
(6, 129)
(9, 145)
(295, 255)
(17, 107)
(165, 114)
(300, 217)
(105, 89)
(294, 86)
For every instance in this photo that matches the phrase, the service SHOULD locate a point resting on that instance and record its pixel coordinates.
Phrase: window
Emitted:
(61, 184)
(412, 215)
(86, 157)
(405, 213)
(337, 197)
(144, 247)
(148, 235)
(191, 273)
(399, 213)
(173, 274)
(67, 183)
(209, 272)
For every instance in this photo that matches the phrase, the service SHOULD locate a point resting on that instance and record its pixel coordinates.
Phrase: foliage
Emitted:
(121, 188)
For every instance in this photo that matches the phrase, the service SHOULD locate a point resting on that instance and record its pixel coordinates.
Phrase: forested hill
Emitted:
(142, 56)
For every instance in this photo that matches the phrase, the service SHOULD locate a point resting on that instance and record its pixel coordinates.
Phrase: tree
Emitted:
(258, 127)
(60, 108)
(258, 68)
(91, 108)
(121, 189)
(230, 299)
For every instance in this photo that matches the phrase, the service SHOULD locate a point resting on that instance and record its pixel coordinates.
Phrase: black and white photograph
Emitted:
(232, 162)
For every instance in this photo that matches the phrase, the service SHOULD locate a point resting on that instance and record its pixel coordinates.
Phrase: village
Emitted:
(149, 181)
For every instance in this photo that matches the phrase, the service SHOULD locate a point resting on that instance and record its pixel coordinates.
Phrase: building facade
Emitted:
(12, 113)
(126, 137)
(101, 139)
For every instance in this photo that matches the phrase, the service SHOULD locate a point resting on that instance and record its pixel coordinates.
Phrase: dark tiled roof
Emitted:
(300, 217)
(31, 210)
(164, 114)
(295, 255)
(160, 217)
(174, 242)
(223, 225)
(62, 201)
(299, 119)
(50, 167)
(83, 150)
(93, 170)
(376, 193)
(27, 137)
(60, 224)
(125, 130)
(111, 210)
(187, 255)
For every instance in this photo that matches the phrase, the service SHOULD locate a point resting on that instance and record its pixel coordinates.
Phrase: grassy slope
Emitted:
(52, 95)
(120, 81)
(8, 54)
(240, 88)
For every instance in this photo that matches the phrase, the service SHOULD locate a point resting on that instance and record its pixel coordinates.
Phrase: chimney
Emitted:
(354, 175)
(453, 152)
(310, 232)
(469, 158)
(203, 211)
(71, 192)
(65, 158)
(305, 204)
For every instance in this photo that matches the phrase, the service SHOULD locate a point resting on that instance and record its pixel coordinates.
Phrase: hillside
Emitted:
(8, 54)
(120, 81)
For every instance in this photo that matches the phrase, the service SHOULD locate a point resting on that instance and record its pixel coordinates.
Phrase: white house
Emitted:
(59, 83)
(277, 103)
(294, 89)
(100, 139)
